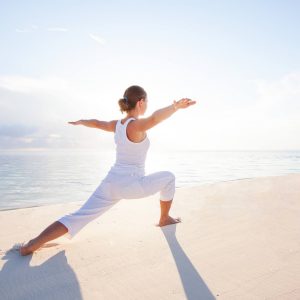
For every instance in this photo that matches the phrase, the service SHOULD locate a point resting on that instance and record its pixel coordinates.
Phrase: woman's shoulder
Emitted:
(112, 125)
(133, 134)
(143, 124)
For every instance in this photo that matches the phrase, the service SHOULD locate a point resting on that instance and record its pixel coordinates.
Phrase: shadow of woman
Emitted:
(194, 286)
(53, 279)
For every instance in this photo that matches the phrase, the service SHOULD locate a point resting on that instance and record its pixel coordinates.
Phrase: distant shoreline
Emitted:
(154, 148)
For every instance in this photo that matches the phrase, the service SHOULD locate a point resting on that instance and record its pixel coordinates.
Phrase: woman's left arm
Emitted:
(93, 123)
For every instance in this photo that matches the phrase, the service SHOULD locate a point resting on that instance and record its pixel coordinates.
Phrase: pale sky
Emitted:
(65, 60)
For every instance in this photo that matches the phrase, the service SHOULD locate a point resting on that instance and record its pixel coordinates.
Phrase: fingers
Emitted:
(186, 102)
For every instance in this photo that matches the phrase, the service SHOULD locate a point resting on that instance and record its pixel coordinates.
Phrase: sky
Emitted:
(67, 60)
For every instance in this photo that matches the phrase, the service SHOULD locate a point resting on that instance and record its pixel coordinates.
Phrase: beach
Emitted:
(238, 239)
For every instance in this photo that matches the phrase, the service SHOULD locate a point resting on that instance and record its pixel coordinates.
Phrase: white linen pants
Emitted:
(114, 187)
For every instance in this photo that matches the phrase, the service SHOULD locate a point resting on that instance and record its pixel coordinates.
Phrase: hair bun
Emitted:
(132, 95)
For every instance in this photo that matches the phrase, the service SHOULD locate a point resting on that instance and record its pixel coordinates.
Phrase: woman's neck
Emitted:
(136, 116)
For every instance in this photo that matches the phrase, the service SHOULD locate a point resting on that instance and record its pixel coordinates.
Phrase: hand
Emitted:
(75, 123)
(183, 103)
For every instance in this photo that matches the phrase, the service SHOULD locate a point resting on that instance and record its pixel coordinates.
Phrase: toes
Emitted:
(23, 248)
(169, 221)
(24, 252)
(176, 220)
(17, 247)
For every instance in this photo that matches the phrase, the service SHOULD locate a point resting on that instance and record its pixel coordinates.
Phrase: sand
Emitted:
(237, 240)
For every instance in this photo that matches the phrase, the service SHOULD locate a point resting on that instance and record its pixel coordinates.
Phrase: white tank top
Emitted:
(129, 155)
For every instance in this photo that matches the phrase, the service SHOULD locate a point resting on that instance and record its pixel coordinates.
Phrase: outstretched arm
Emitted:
(161, 114)
(93, 123)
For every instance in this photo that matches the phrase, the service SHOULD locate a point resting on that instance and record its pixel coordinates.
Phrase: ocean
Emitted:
(35, 178)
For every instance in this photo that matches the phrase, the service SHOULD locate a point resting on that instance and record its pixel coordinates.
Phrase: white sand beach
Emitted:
(237, 240)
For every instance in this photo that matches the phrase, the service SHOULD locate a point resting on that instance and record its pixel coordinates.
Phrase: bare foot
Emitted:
(168, 221)
(26, 249)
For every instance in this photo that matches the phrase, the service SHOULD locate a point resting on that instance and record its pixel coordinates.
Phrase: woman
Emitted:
(126, 178)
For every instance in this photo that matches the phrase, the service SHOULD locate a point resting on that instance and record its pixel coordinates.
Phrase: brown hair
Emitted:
(132, 95)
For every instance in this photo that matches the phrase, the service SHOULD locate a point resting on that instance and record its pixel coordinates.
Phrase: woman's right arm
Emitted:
(93, 123)
(161, 114)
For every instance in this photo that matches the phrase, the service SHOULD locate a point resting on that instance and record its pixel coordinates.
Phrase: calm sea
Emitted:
(47, 177)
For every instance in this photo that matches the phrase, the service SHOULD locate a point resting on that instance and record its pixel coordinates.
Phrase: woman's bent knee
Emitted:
(167, 193)
(170, 175)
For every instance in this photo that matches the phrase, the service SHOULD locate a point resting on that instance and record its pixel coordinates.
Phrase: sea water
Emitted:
(58, 176)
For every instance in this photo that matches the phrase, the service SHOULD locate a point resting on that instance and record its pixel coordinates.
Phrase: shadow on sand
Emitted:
(53, 279)
(194, 286)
